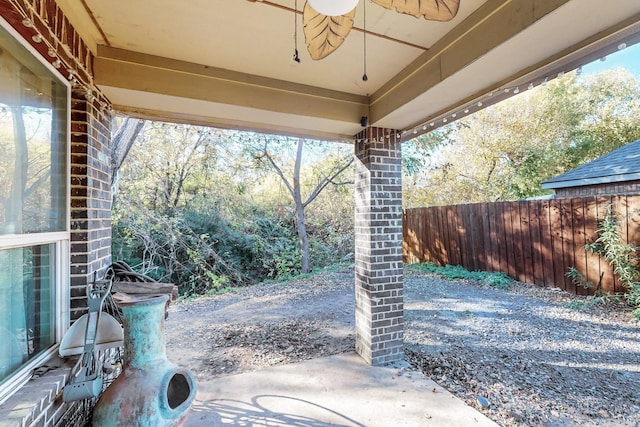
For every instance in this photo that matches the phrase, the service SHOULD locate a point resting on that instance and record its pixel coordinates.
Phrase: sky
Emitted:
(628, 58)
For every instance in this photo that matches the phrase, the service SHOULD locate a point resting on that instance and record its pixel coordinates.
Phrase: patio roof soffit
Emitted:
(207, 89)
(501, 44)
(598, 46)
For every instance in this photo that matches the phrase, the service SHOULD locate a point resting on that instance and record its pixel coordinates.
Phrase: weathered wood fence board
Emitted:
(534, 241)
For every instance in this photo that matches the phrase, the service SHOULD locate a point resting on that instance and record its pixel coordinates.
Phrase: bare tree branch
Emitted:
(326, 181)
(296, 194)
(277, 168)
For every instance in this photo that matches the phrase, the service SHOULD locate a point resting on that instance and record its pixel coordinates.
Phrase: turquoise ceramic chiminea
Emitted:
(150, 391)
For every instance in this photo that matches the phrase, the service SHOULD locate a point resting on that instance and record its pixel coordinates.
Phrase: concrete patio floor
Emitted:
(333, 391)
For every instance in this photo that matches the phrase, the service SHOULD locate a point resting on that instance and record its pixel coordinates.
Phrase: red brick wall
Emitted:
(44, 18)
(90, 196)
(378, 246)
(42, 24)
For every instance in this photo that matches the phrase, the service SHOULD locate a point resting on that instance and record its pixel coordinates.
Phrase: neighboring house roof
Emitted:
(622, 164)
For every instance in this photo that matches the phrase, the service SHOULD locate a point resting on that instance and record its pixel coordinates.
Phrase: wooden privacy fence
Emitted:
(533, 241)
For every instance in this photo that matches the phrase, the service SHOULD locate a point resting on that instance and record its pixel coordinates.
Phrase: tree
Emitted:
(164, 221)
(328, 174)
(123, 138)
(194, 209)
(506, 151)
(611, 105)
(169, 163)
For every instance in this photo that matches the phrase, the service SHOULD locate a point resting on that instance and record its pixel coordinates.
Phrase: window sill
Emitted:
(29, 404)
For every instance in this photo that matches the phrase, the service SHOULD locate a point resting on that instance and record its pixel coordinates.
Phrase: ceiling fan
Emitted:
(328, 22)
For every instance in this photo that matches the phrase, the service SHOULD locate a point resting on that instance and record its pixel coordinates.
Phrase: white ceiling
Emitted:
(257, 38)
(230, 62)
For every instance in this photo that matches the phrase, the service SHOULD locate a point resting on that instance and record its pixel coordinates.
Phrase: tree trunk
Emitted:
(301, 229)
(121, 143)
(304, 240)
(296, 193)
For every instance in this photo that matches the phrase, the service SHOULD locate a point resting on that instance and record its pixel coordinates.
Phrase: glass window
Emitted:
(34, 235)
(32, 142)
(27, 305)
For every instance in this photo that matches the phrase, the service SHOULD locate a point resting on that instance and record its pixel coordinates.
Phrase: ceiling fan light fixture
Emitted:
(333, 7)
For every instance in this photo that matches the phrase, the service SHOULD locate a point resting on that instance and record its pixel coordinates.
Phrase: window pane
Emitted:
(33, 125)
(27, 305)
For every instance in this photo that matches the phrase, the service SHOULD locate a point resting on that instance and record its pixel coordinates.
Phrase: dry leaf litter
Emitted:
(529, 356)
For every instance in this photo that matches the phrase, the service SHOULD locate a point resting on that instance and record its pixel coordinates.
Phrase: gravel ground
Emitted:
(524, 357)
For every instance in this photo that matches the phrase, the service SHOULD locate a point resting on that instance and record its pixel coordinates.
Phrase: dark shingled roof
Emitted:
(622, 164)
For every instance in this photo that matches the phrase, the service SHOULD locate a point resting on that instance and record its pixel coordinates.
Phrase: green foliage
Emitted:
(506, 151)
(194, 249)
(497, 280)
(329, 245)
(317, 273)
(590, 301)
(578, 279)
(417, 151)
(193, 210)
(584, 304)
(303, 188)
(200, 251)
(276, 249)
(622, 256)
(427, 267)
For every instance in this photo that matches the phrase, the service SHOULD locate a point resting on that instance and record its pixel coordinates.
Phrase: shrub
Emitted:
(202, 252)
(194, 249)
(275, 248)
(622, 256)
(452, 272)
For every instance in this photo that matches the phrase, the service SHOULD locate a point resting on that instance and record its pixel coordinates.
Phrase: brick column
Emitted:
(90, 197)
(378, 246)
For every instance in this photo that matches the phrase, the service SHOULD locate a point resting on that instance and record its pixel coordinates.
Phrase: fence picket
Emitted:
(493, 237)
(592, 273)
(579, 240)
(487, 257)
(508, 238)
(461, 231)
(568, 246)
(555, 226)
(536, 248)
(421, 234)
(534, 241)
(443, 256)
(619, 204)
(476, 234)
(633, 222)
(545, 229)
(431, 227)
(525, 233)
(500, 239)
(452, 227)
(518, 243)
(606, 271)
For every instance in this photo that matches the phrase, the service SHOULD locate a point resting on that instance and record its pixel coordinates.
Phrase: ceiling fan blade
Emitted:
(433, 10)
(324, 34)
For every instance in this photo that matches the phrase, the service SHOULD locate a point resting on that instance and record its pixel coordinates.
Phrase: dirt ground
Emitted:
(524, 357)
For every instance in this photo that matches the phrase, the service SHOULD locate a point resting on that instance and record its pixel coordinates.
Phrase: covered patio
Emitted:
(231, 64)
(234, 64)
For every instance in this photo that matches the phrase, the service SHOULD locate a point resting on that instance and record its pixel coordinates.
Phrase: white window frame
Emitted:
(61, 241)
